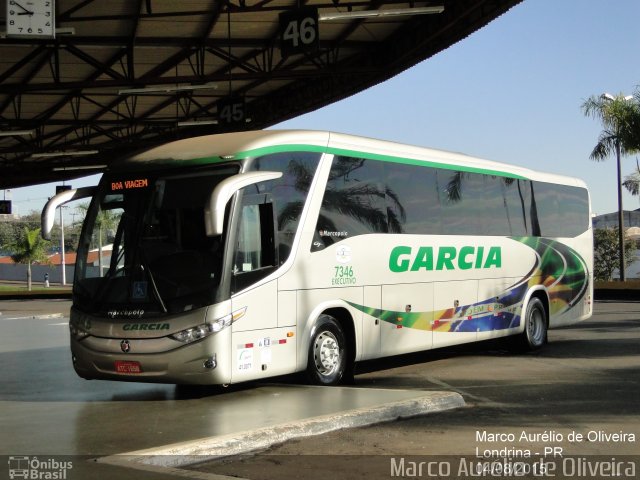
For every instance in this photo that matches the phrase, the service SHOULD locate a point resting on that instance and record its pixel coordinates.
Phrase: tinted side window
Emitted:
(413, 204)
(463, 206)
(369, 196)
(563, 211)
(354, 201)
(516, 197)
(495, 218)
(289, 192)
(446, 202)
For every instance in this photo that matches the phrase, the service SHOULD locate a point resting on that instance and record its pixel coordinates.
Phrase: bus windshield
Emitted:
(144, 245)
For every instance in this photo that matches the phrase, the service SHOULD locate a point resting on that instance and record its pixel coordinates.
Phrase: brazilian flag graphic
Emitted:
(558, 267)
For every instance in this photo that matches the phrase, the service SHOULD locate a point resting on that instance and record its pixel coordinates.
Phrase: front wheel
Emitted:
(534, 335)
(327, 362)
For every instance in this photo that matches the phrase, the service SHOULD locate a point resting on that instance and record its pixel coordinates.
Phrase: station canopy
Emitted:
(107, 78)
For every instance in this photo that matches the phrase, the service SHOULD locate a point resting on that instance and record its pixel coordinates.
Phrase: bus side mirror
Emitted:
(214, 210)
(49, 210)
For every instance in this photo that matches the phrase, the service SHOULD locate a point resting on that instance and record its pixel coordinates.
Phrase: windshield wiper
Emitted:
(155, 288)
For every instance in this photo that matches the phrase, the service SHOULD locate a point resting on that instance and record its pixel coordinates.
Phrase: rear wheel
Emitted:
(534, 335)
(327, 362)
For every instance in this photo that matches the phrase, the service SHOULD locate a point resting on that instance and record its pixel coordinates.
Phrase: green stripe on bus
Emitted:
(258, 152)
(370, 156)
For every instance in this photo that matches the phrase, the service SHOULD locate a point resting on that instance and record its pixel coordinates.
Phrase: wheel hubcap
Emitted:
(536, 327)
(327, 353)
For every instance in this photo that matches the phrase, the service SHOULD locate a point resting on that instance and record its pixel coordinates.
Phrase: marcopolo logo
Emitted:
(404, 259)
(126, 313)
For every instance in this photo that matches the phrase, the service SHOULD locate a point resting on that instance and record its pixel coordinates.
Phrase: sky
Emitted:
(511, 92)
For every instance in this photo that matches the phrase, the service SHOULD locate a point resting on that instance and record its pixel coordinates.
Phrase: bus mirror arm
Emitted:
(214, 210)
(49, 210)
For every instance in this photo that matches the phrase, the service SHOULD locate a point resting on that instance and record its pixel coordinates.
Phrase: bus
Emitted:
(240, 256)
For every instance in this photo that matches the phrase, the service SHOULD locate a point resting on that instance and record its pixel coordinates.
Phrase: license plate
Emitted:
(128, 367)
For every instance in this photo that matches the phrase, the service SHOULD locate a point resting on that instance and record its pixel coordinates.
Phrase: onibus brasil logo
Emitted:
(38, 469)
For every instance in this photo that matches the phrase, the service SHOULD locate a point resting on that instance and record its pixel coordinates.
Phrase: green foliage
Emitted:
(632, 181)
(11, 231)
(28, 248)
(606, 252)
(620, 118)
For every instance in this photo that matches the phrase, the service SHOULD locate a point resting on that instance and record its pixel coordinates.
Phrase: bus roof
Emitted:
(239, 145)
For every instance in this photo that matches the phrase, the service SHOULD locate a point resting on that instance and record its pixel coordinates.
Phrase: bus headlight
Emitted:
(77, 332)
(221, 323)
(192, 334)
(202, 331)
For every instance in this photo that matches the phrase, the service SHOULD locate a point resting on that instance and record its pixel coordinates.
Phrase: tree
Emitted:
(11, 230)
(606, 253)
(28, 248)
(620, 117)
(632, 181)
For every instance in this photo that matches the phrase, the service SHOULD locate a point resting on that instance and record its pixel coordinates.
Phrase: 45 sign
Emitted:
(232, 110)
(299, 31)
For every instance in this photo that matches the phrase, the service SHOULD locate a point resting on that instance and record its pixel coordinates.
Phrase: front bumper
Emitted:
(205, 362)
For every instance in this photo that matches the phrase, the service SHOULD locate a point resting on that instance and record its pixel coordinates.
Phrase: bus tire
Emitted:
(327, 362)
(534, 335)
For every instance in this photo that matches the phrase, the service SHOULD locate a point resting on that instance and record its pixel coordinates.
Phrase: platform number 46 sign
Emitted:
(299, 31)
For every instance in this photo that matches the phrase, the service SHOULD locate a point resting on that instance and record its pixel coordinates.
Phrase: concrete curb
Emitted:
(195, 451)
(33, 317)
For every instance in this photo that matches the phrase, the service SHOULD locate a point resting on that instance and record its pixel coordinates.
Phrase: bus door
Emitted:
(259, 347)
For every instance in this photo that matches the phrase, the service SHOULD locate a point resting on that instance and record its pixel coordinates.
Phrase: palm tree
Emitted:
(28, 248)
(620, 118)
(632, 181)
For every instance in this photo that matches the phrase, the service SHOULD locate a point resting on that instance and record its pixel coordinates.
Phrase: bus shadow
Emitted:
(578, 349)
(493, 348)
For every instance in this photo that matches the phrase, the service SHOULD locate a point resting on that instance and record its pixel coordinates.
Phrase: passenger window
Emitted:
(289, 193)
(354, 202)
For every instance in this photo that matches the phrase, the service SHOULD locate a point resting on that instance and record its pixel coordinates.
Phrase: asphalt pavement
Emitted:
(574, 406)
(124, 430)
(577, 397)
